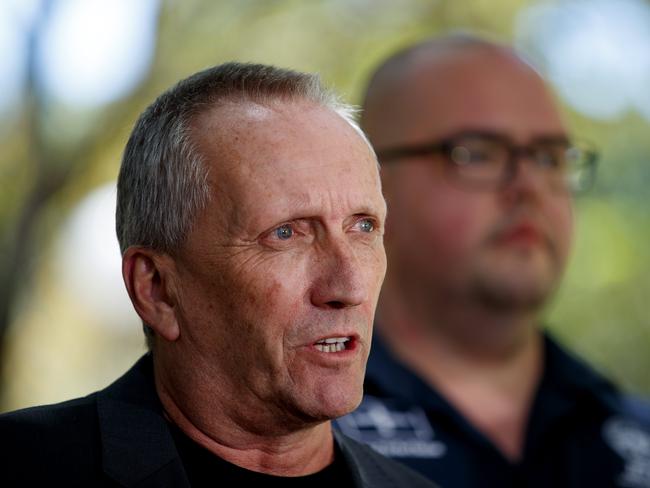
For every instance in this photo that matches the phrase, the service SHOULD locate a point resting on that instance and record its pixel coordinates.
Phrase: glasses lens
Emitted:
(485, 161)
(477, 159)
(567, 163)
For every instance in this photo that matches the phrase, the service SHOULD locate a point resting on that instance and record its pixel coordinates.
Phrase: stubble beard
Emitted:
(522, 282)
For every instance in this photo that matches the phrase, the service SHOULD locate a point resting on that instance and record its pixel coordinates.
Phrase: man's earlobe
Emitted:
(146, 277)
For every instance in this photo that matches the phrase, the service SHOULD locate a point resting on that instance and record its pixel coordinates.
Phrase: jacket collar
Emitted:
(565, 376)
(137, 447)
(360, 474)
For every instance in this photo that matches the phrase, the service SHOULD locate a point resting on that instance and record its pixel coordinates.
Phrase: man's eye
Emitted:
(467, 156)
(556, 158)
(366, 225)
(284, 232)
(548, 159)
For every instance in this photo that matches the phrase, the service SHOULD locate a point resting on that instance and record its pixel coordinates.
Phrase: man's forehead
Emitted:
(243, 129)
(230, 132)
(468, 72)
(297, 155)
(478, 88)
(229, 116)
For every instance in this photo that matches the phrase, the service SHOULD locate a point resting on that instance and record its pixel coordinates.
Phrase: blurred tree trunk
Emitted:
(52, 169)
(17, 246)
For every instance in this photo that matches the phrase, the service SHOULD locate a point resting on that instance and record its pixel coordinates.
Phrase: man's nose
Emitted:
(340, 280)
(524, 177)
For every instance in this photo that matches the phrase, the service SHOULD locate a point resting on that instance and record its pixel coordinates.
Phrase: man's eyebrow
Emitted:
(316, 214)
(367, 210)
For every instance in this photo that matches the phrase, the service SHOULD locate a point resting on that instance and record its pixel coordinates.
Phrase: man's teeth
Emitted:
(331, 344)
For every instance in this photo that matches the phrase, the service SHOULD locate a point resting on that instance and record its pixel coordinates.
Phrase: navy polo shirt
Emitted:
(580, 433)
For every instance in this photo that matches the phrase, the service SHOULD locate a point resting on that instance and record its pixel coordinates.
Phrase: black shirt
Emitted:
(205, 469)
(580, 432)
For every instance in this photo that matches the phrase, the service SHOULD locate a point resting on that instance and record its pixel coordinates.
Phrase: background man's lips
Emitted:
(521, 233)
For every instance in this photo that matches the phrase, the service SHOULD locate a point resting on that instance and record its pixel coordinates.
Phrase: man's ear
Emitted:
(148, 277)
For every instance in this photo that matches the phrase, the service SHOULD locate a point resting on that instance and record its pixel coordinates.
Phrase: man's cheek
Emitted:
(455, 233)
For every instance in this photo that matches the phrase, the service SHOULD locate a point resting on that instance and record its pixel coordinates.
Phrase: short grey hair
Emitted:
(163, 180)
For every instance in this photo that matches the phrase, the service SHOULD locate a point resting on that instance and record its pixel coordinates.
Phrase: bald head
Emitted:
(451, 84)
(443, 239)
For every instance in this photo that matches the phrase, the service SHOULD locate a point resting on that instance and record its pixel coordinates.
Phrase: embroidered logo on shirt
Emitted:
(393, 432)
(632, 444)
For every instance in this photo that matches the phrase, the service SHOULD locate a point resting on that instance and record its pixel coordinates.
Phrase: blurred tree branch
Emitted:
(52, 168)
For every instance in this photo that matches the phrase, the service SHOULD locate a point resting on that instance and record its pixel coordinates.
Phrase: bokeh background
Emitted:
(75, 74)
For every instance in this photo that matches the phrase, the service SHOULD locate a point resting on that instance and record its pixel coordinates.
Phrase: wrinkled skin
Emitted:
(289, 251)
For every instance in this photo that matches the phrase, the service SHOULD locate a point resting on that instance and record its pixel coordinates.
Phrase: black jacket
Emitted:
(119, 437)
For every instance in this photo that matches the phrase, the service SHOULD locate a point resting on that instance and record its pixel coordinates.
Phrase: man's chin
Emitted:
(518, 294)
(515, 285)
(336, 403)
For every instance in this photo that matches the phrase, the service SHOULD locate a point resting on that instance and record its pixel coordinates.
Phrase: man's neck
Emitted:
(486, 364)
(297, 453)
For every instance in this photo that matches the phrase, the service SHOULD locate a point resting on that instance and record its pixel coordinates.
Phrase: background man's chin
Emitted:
(515, 295)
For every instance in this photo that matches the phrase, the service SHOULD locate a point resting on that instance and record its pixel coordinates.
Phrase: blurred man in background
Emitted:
(250, 219)
(478, 171)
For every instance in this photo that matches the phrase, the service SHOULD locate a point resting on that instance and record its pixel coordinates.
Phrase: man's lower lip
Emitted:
(522, 235)
(346, 356)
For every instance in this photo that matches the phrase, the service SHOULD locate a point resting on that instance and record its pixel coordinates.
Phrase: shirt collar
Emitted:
(565, 380)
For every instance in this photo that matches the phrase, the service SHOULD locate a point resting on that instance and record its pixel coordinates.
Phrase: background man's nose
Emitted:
(526, 181)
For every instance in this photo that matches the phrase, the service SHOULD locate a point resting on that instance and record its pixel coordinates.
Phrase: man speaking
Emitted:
(250, 219)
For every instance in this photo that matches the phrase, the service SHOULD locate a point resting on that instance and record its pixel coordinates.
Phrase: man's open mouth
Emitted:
(332, 344)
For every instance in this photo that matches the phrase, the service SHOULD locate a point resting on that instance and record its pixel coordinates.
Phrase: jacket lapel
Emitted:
(137, 447)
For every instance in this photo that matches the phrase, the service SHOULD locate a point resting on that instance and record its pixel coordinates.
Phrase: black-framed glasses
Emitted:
(485, 160)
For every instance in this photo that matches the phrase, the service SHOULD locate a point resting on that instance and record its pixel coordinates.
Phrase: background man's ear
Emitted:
(147, 275)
